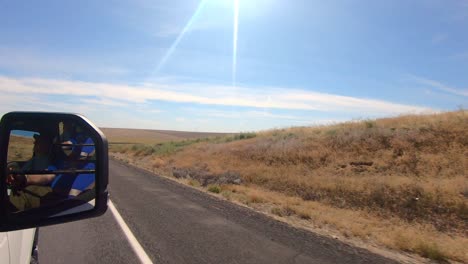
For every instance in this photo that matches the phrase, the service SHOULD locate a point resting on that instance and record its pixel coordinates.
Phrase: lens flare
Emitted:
(180, 36)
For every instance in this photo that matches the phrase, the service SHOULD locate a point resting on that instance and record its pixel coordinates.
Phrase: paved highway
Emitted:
(177, 224)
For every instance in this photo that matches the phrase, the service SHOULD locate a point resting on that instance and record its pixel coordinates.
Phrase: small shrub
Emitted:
(227, 194)
(277, 211)
(331, 132)
(123, 150)
(304, 215)
(369, 124)
(431, 251)
(214, 189)
(227, 139)
(284, 211)
(247, 135)
(194, 183)
(402, 242)
(288, 210)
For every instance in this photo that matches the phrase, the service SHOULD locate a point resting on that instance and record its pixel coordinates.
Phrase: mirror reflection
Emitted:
(51, 164)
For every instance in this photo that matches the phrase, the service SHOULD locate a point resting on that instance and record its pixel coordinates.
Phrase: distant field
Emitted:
(399, 182)
(147, 136)
(20, 148)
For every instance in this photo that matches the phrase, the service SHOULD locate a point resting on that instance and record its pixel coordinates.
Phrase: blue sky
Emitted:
(183, 65)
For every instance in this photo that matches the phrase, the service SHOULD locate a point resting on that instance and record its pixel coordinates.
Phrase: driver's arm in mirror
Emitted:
(32, 190)
(42, 179)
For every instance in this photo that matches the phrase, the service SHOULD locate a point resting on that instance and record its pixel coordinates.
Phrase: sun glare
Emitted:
(172, 48)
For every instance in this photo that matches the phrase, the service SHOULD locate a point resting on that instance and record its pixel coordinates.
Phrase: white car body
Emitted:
(16, 246)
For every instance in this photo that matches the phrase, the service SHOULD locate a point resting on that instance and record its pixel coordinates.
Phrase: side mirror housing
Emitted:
(53, 169)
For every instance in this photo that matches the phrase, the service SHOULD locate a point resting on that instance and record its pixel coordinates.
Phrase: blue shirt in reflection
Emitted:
(72, 184)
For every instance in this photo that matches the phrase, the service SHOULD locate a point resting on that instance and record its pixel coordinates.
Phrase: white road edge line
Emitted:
(137, 248)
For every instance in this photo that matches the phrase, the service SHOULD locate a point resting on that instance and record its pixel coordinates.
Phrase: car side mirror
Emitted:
(53, 169)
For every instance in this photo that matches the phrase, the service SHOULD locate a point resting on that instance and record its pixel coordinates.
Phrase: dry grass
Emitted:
(398, 181)
(393, 232)
(20, 148)
(413, 166)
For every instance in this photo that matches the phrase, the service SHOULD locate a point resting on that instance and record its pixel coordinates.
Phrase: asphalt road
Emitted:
(177, 224)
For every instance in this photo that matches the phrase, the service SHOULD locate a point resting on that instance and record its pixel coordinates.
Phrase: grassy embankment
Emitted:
(398, 182)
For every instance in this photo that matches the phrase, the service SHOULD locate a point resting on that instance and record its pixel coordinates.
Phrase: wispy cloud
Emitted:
(263, 115)
(460, 56)
(242, 114)
(25, 60)
(102, 102)
(439, 38)
(440, 86)
(206, 94)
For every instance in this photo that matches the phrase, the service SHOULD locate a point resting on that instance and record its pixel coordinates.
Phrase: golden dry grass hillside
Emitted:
(398, 182)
